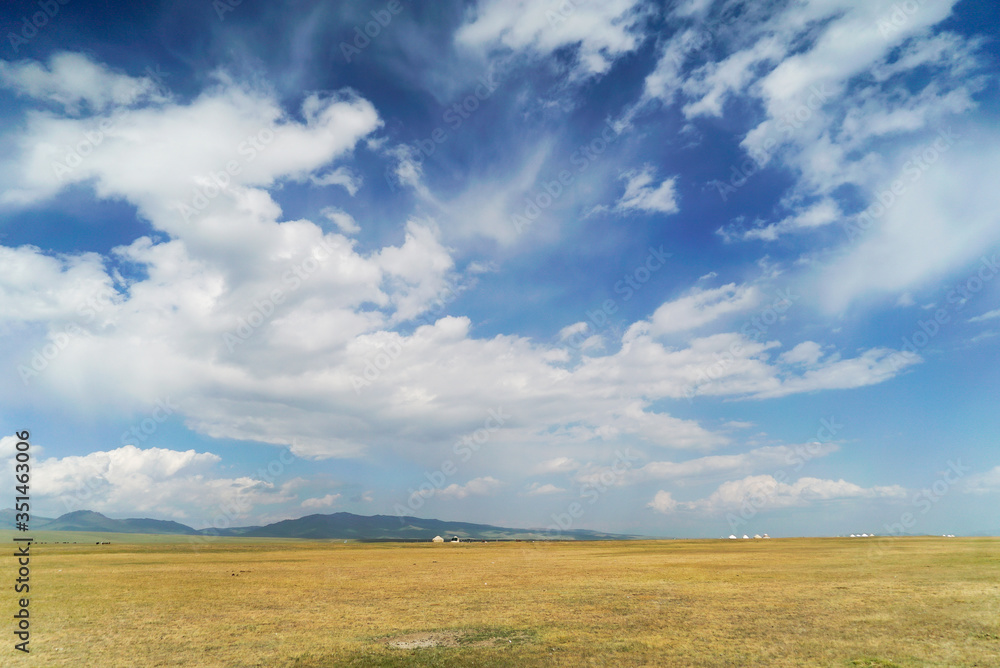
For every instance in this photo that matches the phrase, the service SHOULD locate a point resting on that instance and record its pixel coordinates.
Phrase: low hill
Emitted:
(88, 520)
(392, 527)
(335, 526)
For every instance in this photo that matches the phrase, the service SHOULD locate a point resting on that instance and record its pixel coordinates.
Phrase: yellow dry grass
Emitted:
(794, 602)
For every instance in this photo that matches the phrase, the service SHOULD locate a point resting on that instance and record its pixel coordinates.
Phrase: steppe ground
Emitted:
(164, 601)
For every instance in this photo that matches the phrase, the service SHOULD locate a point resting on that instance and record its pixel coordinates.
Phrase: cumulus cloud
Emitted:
(274, 331)
(164, 482)
(8, 449)
(765, 492)
(663, 502)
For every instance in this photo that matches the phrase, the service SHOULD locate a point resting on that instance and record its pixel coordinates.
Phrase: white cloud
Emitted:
(155, 480)
(987, 482)
(327, 501)
(39, 287)
(270, 330)
(715, 467)
(939, 225)
(822, 213)
(989, 315)
(484, 486)
(341, 176)
(216, 138)
(598, 31)
(557, 465)
(853, 97)
(641, 194)
(341, 219)
(765, 492)
(807, 352)
(663, 502)
(983, 483)
(733, 365)
(702, 306)
(536, 489)
(8, 449)
(571, 330)
(73, 80)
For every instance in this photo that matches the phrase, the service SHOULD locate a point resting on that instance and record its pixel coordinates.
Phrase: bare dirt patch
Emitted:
(467, 638)
(424, 640)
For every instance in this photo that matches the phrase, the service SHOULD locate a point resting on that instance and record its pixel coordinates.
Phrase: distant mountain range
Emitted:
(343, 526)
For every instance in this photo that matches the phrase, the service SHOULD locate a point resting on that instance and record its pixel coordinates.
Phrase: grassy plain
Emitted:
(158, 601)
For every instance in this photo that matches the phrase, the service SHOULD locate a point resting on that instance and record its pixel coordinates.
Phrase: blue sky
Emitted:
(683, 269)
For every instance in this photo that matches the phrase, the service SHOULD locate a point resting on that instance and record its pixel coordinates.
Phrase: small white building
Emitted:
(437, 539)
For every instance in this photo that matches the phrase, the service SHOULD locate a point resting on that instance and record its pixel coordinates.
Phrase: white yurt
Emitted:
(437, 539)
